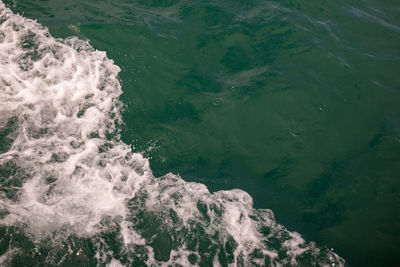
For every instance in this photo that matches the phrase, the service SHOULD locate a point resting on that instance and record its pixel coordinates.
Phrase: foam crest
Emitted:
(67, 179)
(63, 94)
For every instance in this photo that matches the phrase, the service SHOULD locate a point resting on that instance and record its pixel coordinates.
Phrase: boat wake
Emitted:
(71, 192)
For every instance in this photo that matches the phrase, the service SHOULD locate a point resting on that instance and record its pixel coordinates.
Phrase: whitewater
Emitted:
(67, 179)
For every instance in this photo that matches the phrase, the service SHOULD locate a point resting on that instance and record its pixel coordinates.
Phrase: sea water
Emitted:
(295, 103)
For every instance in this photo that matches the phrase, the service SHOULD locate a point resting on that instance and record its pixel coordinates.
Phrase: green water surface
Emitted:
(295, 102)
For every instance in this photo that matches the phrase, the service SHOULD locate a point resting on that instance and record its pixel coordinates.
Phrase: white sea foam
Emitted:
(67, 172)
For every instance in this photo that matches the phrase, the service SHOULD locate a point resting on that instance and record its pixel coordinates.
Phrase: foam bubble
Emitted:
(68, 179)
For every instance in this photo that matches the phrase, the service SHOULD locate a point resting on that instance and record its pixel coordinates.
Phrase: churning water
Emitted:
(73, 193)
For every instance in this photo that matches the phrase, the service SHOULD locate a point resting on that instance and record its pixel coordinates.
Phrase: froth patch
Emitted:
(57, 98)
(67, 179)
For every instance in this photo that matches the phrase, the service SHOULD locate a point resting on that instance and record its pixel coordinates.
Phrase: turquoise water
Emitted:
(295, 103)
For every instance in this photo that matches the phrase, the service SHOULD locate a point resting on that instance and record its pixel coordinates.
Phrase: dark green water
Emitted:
(296, 103)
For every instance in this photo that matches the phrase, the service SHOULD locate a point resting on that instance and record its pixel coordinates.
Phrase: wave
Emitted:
(73, 191)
